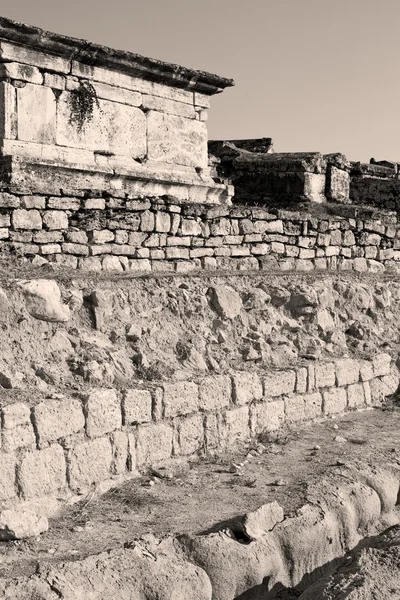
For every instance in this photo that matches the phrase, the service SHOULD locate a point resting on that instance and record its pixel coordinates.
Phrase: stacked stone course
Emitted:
(71, 443)
(123, 234)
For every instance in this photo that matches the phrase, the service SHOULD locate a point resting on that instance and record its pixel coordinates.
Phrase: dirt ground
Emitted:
(209, 494)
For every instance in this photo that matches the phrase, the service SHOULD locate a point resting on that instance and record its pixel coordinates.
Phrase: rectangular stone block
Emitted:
(88, 463)
(294, 409)
(17, 429)
(171, 107)
(313, 405)
(103, 412)
(55, 419)
(278, 383)
(26, 219)
(136, 406)
(14, 70)
(36, 125)
(267, 416)
(114, 128)
(117, 94)
(63, 203)
(191, 434)
(234, 426)
(8, 115)
(43, 472)
(7, 200)
(55, 82)
(381, 364)
(29, 56)
(177, 253)
(154, 444)
(77, 249)
(301, 380)
(215, 392)
(176, 140)
(356, 396)
(7, 477)
(325, 375)
(334, 401)
(180, 398)
(247, 387)
(55, 219)
(120, 452)
(347, 371)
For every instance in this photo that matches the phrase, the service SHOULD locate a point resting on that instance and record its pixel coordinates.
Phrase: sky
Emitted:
(315, 75)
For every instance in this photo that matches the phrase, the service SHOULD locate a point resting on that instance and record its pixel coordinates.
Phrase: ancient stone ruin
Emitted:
(170, 305)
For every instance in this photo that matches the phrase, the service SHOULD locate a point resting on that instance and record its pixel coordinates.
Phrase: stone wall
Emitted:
(58, 444)
(163, 235)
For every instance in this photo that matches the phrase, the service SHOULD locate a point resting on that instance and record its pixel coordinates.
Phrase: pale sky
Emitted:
(315, 75)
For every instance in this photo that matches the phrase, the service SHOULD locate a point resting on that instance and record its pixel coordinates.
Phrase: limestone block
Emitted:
(123, 249)
(338, 185)
(176, 140)
(182, 253)
(180, 398)
(314, 187)
(112, 263)
(334, 400)
(191, 434)
(103, 412)
(29, 56)
(55, 82)
(26, 219)
(36, 125)
(313, 405)
(171, 107)
(278, 383)
(235, 426)
(136, 406)
(139, 265)
(258, 522)
(17, 427)
(7, 200)
(366, 370)
(14, 70)
(117, 94)
(163, 222)
(356, 396)
(63, 203)
(347, 371)
(7, 476)
(121, 80)
(381, 364)
(215, 392)
(94, 204)
(294, 408)
(360, 265)
(89, 462)
(77, 249)
(268, 226)
(246, 387)
(33, 202)
(120, 450)
(4, 233)
(325, 375)
(17, 524)
(77, 237)
(154, 444)
(301, 380)
(267, 416)
(8, 116)
(191, 227)
(55, 419)
(179, 241)
(115, 128)
(43, 472)
(55, 219)
(43, 300)
(379, 391)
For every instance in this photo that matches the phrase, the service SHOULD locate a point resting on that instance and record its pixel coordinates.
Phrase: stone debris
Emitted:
(258, 522)
(43, 300)
(226, 301)
(20, 524)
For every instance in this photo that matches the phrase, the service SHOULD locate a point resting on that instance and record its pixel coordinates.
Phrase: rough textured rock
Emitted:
(43, 300)
(258, 522)
(19, 524)
(226, 301)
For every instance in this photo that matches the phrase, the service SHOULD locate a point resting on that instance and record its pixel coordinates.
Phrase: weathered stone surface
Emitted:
(246, 388)
(103, 412)
(115, 128)
(26, 219)
(43, 300)
(215, 392)
(8, 120)
(18, 71)
(18, 525)
(234, 426)
(381, 364)
(295, 408)
(191, 434)
(171, 107)
(120, 450)
(7, 476)
(36, 125)
(31, 56)
(278, 383)
(180, 398)
(258, 522)
(356, 396)
(58, 418)
(154, 444)
(334, 400)
(136, 406)
(43, 472)
(325, 375)
(17, 427)
(55, 219)
(347, 371)
(226, 301)
(89, 463)
(313, 405)
(176, 140)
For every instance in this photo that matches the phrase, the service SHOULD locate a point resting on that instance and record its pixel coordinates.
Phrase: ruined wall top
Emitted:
(73, 49)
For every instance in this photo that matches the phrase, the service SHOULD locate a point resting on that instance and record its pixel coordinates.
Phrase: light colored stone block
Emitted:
(381, 363)
(176, 140)
(180, 398)
(215, 392)
(301, 380)
(347, 371)
(103, 412)
(55, 82)
(356, 396)
(29, 56)
(89, 463)
(171, 107)
(43, 472)
(26, 219)
(17, 429)
(313, 405)
(136, 406)
(36, 125)
(334, 400)
(325, 375)
(55, 419)
(7, 477)
(294, 409)
(191, 434)
(117, 94)
(13, 70)
(278, 383)
(120, 450)
(8, 115)
(154, 444)
(115, 128)
(246, 388)
(55, 219)
(234, 426)
(267, 416)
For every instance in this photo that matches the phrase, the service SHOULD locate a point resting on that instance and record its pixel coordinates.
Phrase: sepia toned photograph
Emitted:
(199, 300)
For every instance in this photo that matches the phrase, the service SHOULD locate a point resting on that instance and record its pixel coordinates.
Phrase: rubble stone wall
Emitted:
(163, 235)
(70, 443)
